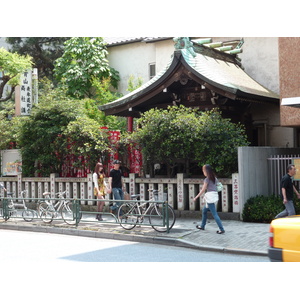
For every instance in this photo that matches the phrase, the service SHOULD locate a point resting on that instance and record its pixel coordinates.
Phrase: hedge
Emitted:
(263, 209)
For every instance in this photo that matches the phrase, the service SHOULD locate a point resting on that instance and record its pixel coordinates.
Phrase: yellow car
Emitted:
(284, 241)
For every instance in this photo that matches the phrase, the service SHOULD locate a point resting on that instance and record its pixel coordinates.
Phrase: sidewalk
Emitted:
(240, 237)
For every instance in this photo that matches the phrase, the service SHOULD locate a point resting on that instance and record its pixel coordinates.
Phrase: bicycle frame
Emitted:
(133, 212)
(153, 203)
(55, 208)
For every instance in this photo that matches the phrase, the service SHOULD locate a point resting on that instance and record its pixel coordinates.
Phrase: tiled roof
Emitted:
(113, 41)
(225, 75)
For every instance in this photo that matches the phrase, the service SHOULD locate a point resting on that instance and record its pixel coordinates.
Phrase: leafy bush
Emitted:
(263, 209)
(57, 129)
(181, 134)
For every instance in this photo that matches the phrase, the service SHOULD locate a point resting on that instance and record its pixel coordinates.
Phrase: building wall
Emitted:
(134, 59)
(254, 171)
(289, 70)
(260, 59)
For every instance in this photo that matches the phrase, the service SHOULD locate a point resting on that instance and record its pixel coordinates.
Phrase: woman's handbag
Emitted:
(219, 186)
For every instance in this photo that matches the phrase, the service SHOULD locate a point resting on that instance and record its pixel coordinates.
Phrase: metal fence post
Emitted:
(167, 215)
(5, 209)
(76, 211)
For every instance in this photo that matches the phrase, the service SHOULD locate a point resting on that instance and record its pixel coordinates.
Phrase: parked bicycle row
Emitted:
(157, 214)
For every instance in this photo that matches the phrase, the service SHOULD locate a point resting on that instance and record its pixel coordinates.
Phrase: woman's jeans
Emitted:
(212, 208)
(118, 195)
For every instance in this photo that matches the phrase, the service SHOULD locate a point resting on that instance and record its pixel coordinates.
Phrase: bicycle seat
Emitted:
(135, 196)
(9, 193)
(46, 193)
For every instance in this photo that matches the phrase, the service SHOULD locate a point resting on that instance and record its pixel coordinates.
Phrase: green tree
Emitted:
(180, 136)
(10, 129)
(57, 128)
(43, 50)
(134, 84)
(84, 60)
(12, 65)
(218, 141)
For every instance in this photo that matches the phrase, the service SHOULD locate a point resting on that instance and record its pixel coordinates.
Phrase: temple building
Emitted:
(204, 74)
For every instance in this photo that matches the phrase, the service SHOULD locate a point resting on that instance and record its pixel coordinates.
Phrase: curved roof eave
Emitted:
(148, 86)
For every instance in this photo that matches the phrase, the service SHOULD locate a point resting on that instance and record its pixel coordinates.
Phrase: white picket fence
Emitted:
(180, 190)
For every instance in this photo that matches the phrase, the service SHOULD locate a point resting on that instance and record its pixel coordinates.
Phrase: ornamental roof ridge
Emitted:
(114, 41)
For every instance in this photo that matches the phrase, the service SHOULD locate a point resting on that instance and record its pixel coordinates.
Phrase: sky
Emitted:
(155, 18)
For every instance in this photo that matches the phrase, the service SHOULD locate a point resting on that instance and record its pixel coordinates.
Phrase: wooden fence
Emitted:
(180, 190)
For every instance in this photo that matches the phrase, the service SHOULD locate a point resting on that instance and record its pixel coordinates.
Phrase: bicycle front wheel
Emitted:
(28, 215)
(157, 218)
(127, 216)
(44, 213)
(68, 214)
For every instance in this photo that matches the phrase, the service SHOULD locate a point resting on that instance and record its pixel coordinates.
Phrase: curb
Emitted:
(177, 242)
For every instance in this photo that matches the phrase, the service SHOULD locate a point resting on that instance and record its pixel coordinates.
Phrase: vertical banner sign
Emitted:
(114, 137)
(26, 93)
(235, 193)
(35, 99)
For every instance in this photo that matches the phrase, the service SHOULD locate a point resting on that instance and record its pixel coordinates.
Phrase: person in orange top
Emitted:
(100, 187)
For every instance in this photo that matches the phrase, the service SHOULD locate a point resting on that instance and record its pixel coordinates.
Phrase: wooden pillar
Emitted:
(192, 195)
(129, 124)
(180, 191)
(224, 198)
(131, 183)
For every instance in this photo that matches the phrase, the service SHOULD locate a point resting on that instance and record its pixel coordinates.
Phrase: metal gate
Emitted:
(277, 165)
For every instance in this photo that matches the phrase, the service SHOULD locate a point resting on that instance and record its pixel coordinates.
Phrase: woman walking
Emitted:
(100, 188)
(211, 198)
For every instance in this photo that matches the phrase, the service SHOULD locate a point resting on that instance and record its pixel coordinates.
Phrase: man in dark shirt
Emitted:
(287, 193)
(116, 184)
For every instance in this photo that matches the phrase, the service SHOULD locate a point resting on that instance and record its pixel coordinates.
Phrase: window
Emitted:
(152, 72)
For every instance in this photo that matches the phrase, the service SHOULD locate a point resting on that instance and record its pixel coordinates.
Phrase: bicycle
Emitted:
(27, 214)
(48, 210)
(130, 214)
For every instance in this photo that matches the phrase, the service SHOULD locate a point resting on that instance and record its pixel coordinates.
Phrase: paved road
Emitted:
(18, 246)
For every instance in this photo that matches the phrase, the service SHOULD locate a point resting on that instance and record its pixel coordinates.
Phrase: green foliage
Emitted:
(103, 95)
(41, 136)
(43, 50)
(263, 209)
(10, 129)
(92, 143)
(57, 128)
(134, 84)
(83, 61)
(218, 141)
(12, 65)
(184, 134)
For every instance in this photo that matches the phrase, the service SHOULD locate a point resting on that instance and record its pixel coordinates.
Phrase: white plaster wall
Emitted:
(134, 59)
(260, 60)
